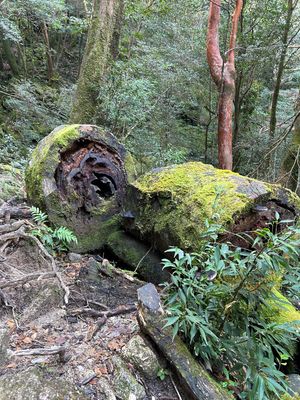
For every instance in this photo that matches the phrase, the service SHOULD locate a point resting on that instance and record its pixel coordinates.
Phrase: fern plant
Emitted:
(56, 239)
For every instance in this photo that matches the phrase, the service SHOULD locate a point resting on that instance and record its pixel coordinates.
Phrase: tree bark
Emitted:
(101, 49)
(223, 74)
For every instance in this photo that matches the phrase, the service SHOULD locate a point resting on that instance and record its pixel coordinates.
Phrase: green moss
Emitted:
(45, 158)
(281, 310)
(11, 183)
(176, 201)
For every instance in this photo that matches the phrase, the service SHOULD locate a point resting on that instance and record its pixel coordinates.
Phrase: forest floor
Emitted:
(94, 337)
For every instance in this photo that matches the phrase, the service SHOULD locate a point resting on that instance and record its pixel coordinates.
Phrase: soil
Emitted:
(35, 317)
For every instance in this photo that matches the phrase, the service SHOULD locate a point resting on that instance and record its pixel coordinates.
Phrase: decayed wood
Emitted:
(196, 381)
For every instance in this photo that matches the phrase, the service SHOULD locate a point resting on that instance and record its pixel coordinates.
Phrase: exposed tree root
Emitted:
(27, 278)
(47, 351)
(16, 231)
(104, 315)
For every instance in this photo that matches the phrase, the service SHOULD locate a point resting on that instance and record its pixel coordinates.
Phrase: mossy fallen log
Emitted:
(170, 206)
(77, 175)
(196, 381)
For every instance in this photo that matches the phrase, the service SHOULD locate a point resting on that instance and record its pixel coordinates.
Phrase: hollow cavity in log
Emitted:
(89, 174)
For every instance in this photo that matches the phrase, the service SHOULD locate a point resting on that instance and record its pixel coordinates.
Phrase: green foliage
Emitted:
(216, 299)
(162, 374)
(55, 239)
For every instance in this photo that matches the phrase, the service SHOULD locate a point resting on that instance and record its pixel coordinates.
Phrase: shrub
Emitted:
(217, 299)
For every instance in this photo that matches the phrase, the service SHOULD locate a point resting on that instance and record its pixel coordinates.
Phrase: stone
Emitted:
(74, 257)
(124, 382)
(149, 298)
(294, 384)
(11, 183)
(47, 299)
(32, 384)
(105, 389)
(196, 381)
(4, 344)
(138, 353)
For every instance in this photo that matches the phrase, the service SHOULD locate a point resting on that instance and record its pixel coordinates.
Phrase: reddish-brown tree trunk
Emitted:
(223, 74)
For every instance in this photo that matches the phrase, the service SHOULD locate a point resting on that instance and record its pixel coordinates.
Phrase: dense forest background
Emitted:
(158, 97)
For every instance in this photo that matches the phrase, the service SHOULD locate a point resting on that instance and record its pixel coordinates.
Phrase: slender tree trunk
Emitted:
(50, 66)
(285, 36)
(100, 50)
(290, 169)
(223, 74)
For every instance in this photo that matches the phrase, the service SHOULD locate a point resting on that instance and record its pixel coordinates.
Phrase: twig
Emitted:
(87, 380)
(176, 390)
(44, 351)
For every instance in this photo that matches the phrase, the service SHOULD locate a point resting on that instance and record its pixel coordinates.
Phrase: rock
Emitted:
(171, 205)
(32, 384)
(4, 344)
(11, 183)
(193, 377)
(77, 176)
(294, 384)
(141, 356)
(47, 299)
(74, 257)
(105, 389)
(124, 383)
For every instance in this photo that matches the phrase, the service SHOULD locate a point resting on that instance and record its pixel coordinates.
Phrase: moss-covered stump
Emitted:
(169, 206)
(77, 175)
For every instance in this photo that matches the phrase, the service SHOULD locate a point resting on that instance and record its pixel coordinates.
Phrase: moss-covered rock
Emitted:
(33, 384)
(76, 174)
(171, 205)
(11, 183)
(125, 384)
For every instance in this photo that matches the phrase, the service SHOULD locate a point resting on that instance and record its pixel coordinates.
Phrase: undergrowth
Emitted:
(218, 298)
(54, 239)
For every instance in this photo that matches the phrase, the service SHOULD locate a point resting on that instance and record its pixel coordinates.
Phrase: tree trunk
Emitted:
(50, 66)
(273, 117)
(290, 169)
(101, 49)
(223, 74)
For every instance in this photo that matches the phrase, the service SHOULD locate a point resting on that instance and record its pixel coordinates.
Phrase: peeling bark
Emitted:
(223, 74)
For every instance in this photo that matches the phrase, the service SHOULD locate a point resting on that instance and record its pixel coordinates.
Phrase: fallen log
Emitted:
(193, 377)
(170, 206)
(77, 176)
